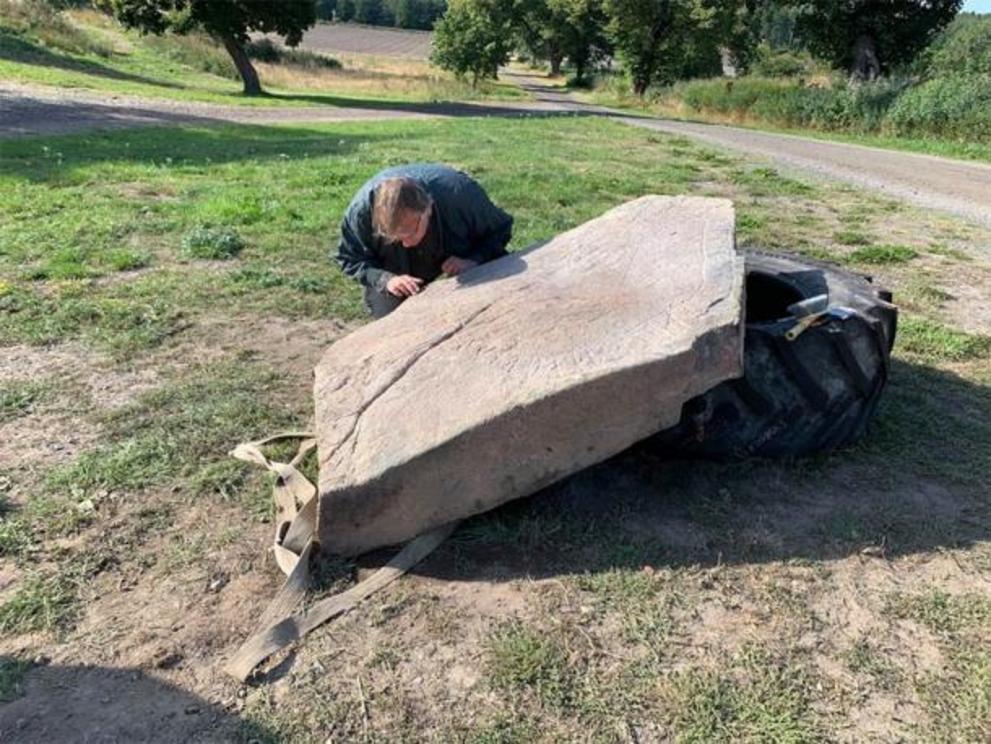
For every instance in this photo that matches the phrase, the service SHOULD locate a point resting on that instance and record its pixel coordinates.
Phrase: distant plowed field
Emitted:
(354, 38)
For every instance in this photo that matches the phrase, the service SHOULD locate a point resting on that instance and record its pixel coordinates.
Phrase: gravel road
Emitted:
(31, 110)
(956, 186)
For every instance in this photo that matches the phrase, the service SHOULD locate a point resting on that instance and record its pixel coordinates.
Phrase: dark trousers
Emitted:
(380, 304)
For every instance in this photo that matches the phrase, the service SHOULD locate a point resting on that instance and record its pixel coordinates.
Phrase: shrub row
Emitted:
(949, 107)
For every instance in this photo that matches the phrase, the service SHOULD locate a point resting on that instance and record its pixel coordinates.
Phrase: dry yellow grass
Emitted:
(382, 77)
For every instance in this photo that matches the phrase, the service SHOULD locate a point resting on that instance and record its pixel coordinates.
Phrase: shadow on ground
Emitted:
(915, 484)
(55, 703)
(195, 146)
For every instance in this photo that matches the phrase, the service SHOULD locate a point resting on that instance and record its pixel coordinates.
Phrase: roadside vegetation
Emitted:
(940, 104)
(79, 48)
(165, 293)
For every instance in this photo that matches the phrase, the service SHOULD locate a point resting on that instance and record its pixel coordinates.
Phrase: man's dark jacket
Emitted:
(464, 223)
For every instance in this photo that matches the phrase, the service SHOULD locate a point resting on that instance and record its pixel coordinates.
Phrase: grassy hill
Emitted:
(86, 49)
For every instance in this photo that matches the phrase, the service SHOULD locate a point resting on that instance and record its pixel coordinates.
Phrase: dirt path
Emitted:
(38, 110)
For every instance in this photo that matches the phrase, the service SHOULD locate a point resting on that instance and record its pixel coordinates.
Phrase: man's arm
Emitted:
(354, 252)
(490, 228)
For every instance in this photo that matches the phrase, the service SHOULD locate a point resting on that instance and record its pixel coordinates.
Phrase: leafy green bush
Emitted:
(786, 103)
(949, 107)
(212, 242)
(780, 63)
(265, 50)
(964, 48)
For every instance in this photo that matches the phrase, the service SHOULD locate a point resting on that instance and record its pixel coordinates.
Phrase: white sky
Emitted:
(978, 6)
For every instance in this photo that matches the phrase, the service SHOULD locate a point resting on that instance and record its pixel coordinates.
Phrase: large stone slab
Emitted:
(522, 371)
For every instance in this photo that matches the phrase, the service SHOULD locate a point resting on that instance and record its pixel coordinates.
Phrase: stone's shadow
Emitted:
(103, 704)
(911, 486)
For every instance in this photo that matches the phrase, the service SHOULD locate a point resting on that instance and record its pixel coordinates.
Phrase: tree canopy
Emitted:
(871, 37)
(474, 38)
(228, 21)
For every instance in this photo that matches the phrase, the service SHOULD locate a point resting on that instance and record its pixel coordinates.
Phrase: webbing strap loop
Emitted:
(295, 541)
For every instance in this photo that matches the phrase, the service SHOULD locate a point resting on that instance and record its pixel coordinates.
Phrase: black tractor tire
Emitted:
(815, 393)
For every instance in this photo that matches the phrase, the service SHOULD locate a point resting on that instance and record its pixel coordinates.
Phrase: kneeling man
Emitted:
(412, 223)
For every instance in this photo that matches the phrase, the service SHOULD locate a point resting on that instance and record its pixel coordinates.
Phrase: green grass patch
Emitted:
(26, 529)
(958, 701)
(180, 432)
(763, 181)
(12, 674)
(212, 242)
(930, 426)
(851, 237)
(522, 658)
(933, 342)
(883, 254)
(755, 698)
(122, 259)
(942, 612)
(42, 602)
(18, 398)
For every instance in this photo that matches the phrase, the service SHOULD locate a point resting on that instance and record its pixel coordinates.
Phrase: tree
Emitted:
(372, 12)
(871, 37)
(581, 28)
(474, 37)
(326, 9)
(346, 10)
(228, 21)
(663, 40)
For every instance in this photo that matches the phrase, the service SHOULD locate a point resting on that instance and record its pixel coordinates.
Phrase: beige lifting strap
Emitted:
(295, 539)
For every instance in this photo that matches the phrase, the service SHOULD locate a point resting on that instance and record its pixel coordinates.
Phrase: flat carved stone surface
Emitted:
(491, 386)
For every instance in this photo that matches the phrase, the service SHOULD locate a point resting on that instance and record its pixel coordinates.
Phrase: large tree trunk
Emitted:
(643, 70)
(252, 86)
(866, 65)
(556, 58)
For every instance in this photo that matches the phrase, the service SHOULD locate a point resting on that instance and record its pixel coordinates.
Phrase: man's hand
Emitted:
(454, 265)
(404, 285)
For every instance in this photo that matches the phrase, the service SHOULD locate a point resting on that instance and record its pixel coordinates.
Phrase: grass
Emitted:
(883, 254)
(87, 50)
(41, 603)
(942, 612)
(178, 431)
(19, 397)
(754, 698)
(930, 341)
(637, 601)
(523, 658)
(12, 673)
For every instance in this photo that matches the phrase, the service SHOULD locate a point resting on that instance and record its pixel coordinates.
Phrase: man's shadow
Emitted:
(43, 704)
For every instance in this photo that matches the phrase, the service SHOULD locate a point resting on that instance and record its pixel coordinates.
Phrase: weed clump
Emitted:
(521, 658)
(884, 254)
(212, 242)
